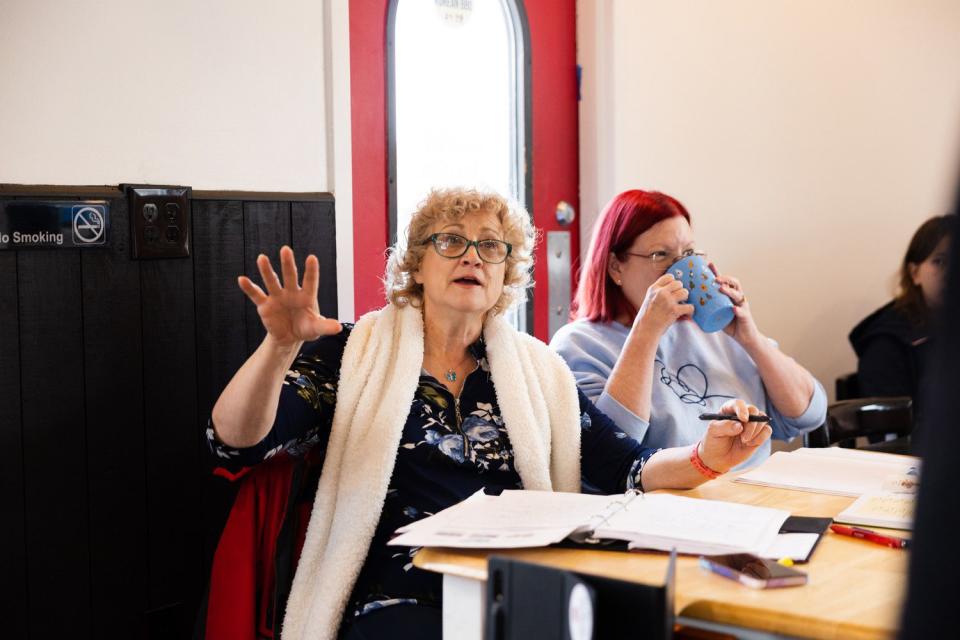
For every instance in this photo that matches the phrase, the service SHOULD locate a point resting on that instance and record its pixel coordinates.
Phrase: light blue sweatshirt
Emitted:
(694, 372)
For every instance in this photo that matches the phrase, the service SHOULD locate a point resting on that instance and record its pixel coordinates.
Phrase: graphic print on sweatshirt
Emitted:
(689, 383)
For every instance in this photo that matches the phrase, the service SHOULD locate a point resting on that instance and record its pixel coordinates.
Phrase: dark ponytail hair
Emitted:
(909, 298)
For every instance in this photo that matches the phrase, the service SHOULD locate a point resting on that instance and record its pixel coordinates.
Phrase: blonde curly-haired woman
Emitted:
(420, 405)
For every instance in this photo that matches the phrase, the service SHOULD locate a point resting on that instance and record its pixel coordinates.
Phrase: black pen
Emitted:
(732, 416)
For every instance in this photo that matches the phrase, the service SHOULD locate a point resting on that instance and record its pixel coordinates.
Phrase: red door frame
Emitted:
(554, 138)
(368, 100)
(556, 149)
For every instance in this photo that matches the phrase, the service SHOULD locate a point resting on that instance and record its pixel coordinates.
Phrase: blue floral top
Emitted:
(450, 448)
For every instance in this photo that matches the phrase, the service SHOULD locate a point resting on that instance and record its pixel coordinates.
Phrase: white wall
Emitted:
(808, 139)
(339, 145)
(218, 94)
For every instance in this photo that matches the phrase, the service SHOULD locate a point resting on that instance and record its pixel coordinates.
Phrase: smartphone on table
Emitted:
(754, 572)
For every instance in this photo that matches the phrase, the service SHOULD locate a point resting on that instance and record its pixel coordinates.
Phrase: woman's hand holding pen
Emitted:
(727, 443)
(289, 312)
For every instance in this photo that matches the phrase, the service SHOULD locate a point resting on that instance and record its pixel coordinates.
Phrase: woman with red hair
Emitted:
(634, 353)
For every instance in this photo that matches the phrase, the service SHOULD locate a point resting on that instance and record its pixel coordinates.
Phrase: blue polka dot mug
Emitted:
(712, 309)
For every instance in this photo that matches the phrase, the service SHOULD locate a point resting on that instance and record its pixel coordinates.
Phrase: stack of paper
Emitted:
(844, 472)
(538, 518)
(514, 519)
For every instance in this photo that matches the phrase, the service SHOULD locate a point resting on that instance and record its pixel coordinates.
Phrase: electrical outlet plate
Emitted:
(159, 221)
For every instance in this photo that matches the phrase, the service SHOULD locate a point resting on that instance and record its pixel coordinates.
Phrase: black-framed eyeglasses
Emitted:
(450, 245)
(665, 259)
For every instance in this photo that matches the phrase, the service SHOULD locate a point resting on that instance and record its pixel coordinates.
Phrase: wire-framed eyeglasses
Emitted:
(450, 245)
(665, 259)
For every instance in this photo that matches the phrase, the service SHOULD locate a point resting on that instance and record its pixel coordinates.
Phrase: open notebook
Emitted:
(881, 509)
(843, 472)
(517, 519)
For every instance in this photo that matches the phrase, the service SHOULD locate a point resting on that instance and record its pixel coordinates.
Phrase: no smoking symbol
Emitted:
(88, 225)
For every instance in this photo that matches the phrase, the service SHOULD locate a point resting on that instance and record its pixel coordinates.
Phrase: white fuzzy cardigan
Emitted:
(379, 374)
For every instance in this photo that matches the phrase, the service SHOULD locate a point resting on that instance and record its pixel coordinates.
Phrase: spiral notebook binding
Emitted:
(622, 504)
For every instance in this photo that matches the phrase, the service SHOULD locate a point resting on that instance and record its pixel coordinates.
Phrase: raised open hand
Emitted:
(289, 312)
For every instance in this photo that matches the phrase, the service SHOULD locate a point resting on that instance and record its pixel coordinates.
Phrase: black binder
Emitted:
(806, 524)
(793, 524)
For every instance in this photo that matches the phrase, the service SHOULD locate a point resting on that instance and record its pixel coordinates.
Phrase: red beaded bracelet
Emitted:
(698, 464)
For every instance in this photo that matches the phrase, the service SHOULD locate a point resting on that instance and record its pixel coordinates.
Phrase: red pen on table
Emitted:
(871, 536)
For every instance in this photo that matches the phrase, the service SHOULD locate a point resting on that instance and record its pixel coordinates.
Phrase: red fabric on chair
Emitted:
(242, 579)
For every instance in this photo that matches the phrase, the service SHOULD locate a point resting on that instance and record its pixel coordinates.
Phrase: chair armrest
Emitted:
(847, 386)
(818, 438)
(848, 419)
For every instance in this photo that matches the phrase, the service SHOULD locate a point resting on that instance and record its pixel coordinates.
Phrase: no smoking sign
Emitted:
(54, 224)
(89, 224)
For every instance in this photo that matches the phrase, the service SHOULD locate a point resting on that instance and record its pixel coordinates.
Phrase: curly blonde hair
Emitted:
(451, 205)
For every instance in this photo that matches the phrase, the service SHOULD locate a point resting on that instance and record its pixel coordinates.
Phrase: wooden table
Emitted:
(855, 590)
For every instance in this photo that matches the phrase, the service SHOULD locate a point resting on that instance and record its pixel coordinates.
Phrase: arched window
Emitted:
(457, 102)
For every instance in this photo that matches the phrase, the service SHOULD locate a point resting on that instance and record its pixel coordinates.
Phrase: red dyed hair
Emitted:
(623, 219)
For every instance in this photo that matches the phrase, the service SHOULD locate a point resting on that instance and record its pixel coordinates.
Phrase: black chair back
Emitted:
(848, 386)
(848, 420)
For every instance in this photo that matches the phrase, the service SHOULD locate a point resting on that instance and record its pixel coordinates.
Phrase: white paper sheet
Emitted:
(796, 546)
(514, 519)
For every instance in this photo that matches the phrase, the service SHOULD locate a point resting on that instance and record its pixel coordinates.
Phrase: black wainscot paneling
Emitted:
(109, 367)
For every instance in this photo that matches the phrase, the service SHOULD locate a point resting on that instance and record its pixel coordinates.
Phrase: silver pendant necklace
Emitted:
(451, 374)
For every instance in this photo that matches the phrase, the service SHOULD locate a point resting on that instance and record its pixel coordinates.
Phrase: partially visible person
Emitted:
(894, 344)
(635, 353)
(933, 589)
